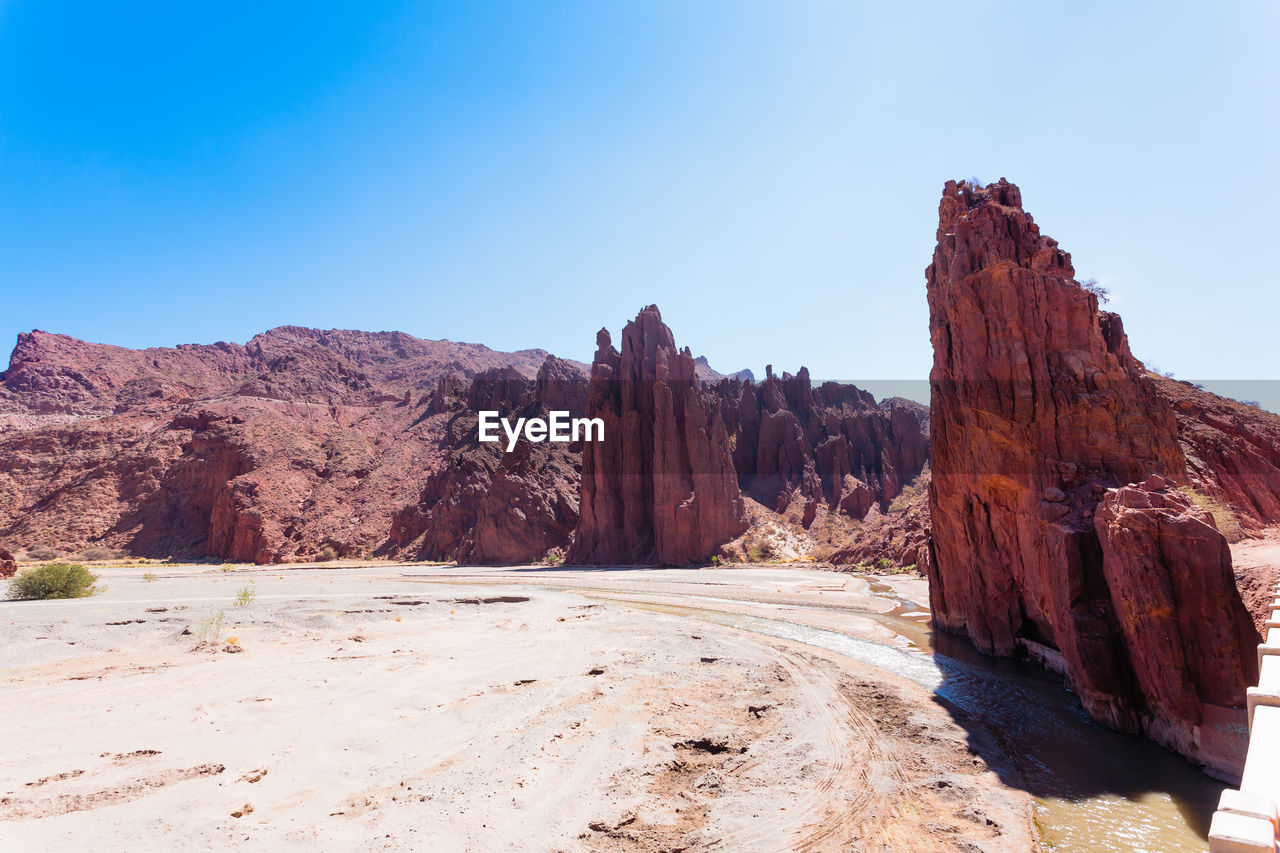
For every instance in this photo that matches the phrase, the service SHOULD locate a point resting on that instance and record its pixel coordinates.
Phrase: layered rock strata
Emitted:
(1038, 410)
(485, 505)
(661, 488)
(301, 444)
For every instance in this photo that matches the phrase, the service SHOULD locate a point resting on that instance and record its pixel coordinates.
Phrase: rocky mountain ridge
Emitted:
(306, 444)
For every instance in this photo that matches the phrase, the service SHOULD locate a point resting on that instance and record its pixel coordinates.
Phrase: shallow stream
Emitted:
(1095, 789)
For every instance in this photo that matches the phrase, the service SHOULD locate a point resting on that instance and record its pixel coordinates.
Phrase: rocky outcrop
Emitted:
(1038, 409)
(485, 505)
(1232, 451)
(661, 487)
(298, 444)
(901, 537)
(8, 566)
(832, 443)
(1168, 572)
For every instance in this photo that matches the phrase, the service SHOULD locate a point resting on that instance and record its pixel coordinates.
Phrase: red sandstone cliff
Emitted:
(832, 443)
(484, 505)
(661, 487)
(1038, 409)
(1232, 451)
(299, 443)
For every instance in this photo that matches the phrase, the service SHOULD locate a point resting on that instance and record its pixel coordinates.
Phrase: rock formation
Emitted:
(661, 487)
(833, 443)
(1232, 451)
(484, 505)
(1038, 409)
(8, 566)
(300, 444)
(1168, 571)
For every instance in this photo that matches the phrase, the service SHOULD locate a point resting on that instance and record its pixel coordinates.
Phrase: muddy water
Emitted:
(1095, 789)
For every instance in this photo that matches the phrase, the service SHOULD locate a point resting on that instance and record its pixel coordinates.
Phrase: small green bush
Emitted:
(56, 580)
(244, 597)
(149, 577)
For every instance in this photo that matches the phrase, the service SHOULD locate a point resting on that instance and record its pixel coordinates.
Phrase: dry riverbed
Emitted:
(413, 707)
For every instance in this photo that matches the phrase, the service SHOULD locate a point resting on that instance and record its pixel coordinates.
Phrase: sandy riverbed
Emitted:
(414, 708)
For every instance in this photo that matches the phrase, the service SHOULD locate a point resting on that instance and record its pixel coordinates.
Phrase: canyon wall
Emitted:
(301, 444)
(306, 445)
(1041, 422)
(661, 488)
(484, 505)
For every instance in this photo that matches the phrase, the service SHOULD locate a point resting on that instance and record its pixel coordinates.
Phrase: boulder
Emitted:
(1186, 633)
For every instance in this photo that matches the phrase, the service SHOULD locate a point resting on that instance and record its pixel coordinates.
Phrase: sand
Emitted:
(404, 707)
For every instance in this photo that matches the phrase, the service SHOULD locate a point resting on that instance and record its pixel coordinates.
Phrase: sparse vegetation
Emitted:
(227, 567)
(554, 557)
(56, 580)
(884, 564)
(326, 554)
(715, 560)
(821, 552)
(149, 577)
(42, 553)
(1224, 517)
(245, 597)
(910, 492)
(1092, 286)
(210, 630)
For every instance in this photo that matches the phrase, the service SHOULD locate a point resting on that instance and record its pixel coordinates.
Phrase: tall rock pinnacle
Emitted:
(661, 487)
(1039, 413)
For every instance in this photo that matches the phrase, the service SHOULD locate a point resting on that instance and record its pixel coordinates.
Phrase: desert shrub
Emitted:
(227, 567)
(210, 630)
(244, 597)
(149, 577)
(325, 555)
(43, 553)
(1092, 286)
(554, 557)
(56, 580)
(884, 564)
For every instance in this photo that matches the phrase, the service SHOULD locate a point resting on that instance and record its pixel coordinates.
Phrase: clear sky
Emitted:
(520, 174)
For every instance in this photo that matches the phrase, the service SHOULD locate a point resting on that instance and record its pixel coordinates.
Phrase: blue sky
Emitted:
(520, 174)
